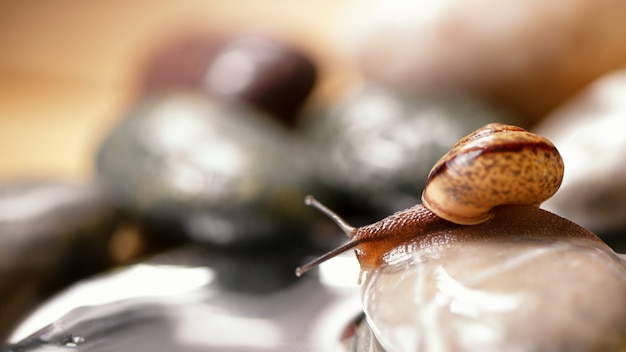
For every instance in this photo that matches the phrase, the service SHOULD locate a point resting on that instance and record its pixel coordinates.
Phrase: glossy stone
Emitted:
(588, 132)
(196, 168)
(271, 75)
(179, 302)
(51, 233)
(525, 281)
(378, 147)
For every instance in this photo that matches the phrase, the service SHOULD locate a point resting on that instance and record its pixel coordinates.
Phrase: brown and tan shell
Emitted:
(498, 164)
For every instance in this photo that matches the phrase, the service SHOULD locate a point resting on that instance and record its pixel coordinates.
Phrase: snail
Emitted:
(495, 165)
(480, 267)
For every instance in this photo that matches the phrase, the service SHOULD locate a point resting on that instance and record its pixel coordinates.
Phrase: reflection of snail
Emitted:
(495, 165)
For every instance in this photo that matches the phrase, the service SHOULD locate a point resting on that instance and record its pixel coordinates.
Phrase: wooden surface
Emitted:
(68, 68)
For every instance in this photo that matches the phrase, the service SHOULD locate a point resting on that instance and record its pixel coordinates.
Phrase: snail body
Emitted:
(518, 278)
(495, 165)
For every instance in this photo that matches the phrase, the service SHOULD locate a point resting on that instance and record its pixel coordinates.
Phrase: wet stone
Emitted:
(588, 133)
(523, 280)
(194, 168)
(52, 233)
(195, 299)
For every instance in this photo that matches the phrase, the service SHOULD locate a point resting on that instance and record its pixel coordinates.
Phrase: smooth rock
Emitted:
(527, 280)
(51, 234)
(192, 167)
(589, 133)
(179, 302)
(272, 76)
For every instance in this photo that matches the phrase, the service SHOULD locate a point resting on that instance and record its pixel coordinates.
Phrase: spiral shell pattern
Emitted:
(495, 165)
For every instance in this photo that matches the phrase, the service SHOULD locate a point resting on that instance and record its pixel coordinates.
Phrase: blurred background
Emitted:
(130, 129)
(68, 69)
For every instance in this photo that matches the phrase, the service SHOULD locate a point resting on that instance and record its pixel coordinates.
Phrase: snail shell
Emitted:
(495, 165)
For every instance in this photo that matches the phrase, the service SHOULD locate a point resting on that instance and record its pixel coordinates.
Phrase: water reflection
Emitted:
(180, 303)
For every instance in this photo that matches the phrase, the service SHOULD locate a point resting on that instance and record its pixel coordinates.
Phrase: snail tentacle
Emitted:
(349, 230)
(315, 262)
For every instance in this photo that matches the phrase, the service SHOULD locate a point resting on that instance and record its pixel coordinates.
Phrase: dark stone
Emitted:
(203, 300)
(51, 234)
(266, 73)
(192, 167)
